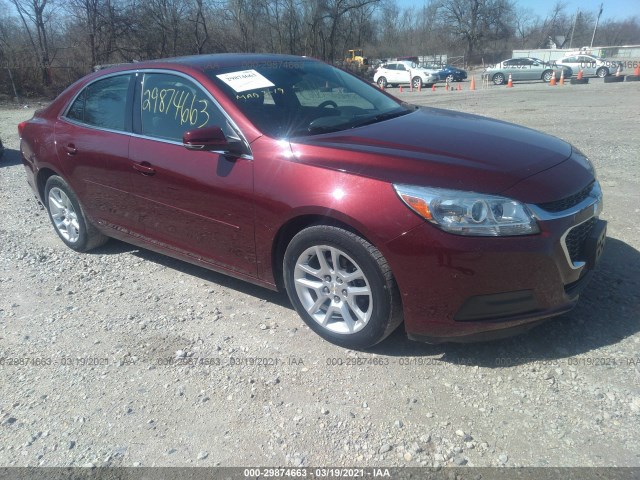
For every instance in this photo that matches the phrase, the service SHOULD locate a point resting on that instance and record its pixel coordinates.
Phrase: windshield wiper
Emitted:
(379, 118)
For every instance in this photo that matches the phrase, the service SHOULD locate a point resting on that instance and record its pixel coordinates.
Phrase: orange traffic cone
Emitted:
(618, 71)
(433, 87)
(562, 77)
(580, 74)
(553, 79)
(400, 88)
(636, 72)
(459, 87)
(510, 82)
(473, 83)
(420, 87)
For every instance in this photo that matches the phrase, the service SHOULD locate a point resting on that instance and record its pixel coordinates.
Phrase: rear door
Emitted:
(198, 203)
(92, 143)
(391, 72)
(510, 67)
(573, 63)
(402, 74)
(588, 64)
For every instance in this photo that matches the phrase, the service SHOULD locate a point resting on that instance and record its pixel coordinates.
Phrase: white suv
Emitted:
(589, 65)
(403, 72)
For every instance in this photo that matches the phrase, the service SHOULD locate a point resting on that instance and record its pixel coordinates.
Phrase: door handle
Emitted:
(144, 168)
(71, 149)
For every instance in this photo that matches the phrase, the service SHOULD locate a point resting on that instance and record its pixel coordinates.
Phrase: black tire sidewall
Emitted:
(496, 76)
(83, 238)
(376, 328)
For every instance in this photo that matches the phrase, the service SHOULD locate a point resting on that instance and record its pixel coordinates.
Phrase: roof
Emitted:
(207, 61)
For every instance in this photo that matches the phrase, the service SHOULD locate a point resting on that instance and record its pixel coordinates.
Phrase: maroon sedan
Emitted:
(289, 173)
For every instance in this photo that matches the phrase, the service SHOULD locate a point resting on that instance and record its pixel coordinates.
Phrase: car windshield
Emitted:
(303, 97)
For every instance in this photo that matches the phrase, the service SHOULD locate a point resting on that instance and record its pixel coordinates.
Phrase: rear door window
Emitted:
(102, 104)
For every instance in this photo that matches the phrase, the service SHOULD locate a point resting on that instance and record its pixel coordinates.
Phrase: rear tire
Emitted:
(341, 286)
(68, 218)
(382, 82)
(602, 72)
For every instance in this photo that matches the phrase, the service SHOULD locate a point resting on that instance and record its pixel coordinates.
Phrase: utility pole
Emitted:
(596, 27)
(575, 20)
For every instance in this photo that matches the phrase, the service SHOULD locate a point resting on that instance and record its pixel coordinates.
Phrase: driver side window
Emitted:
(172, 105)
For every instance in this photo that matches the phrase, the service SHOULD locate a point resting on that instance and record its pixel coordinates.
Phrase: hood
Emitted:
(435, 147)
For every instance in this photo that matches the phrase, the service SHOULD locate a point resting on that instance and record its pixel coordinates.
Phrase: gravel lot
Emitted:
(138, 359)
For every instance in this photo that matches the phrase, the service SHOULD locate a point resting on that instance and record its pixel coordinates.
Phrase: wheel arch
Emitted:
(291, 228)
(41, 180)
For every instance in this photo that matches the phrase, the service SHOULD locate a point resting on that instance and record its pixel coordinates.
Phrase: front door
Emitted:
(198, 203)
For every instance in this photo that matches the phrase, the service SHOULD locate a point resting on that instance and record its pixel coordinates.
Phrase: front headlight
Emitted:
(469, 213)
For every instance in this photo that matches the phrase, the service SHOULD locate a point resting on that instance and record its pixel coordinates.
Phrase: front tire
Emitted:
(602, 72)
(416, 83)
(68, 218)
(498, 79)
(341, 286)
(382, 82)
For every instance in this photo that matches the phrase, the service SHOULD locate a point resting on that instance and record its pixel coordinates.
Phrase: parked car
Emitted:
(448, 73)
(404, 72)
(522, 69)
(292, 174)
(590, 65)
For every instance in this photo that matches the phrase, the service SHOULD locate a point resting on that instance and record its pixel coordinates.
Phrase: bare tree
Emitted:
(35, 15)
(477, 20)
(199, 30)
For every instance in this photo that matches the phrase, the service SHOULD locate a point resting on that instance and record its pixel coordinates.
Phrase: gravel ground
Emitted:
(138, 359)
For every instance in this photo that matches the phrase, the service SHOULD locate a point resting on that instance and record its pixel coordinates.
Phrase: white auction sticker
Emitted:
(245, 80)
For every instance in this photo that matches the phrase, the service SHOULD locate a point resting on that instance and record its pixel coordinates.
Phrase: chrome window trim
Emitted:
(63, 116)
(207, 93)
(173, 142)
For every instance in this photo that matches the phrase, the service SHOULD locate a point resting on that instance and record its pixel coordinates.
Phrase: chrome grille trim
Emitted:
(593, 199)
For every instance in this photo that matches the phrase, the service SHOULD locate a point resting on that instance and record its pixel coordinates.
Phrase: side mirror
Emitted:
(207, 138)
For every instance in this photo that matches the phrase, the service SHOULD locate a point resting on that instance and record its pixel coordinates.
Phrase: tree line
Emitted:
(47, 44)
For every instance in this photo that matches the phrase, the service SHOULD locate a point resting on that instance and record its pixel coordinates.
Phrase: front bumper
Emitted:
(457, 288)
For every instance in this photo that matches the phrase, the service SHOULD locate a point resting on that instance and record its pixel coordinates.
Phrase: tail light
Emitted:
(21, 126)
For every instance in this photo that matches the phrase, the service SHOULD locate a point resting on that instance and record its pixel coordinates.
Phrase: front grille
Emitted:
(576, 238)
(567, 202)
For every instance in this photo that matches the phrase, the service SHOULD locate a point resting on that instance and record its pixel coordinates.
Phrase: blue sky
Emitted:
(613, 9)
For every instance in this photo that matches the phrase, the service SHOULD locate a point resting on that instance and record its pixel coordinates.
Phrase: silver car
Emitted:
(404, 72)
(590, 65)
(527, 68)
